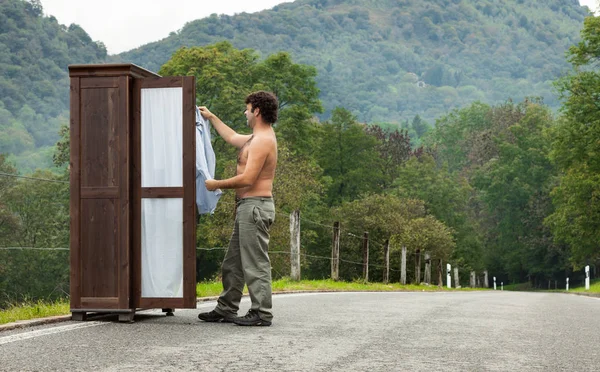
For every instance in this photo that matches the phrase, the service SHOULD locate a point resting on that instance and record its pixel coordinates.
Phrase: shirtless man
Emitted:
(247, 260)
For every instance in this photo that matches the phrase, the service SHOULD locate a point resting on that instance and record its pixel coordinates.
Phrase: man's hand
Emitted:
(205, 113)
(211, 185)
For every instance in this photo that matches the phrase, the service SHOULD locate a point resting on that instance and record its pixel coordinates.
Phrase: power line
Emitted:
(31, 178)
(314, 223)
(33, 249)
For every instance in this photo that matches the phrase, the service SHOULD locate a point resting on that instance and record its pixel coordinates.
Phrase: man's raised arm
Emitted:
(229, 135)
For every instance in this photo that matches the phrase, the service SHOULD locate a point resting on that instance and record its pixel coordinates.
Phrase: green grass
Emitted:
(207, 289)
(594, 287)
(40, 309)
(34, 310)
(516, 287)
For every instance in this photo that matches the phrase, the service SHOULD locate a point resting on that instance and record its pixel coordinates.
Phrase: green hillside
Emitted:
(390, 60)
(386, 61)
(34, 86)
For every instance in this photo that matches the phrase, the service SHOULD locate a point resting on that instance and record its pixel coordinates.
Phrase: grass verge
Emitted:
(526, 287)
(33, 310)
(214, 288)
(41, 309)
(594, 287)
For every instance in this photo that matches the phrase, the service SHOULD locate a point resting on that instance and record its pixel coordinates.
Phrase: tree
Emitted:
(575, 150)
(420, 126)
(9, 224)
(226, 75)
(427, 234)
(223, 77)
(452, 137)
(394, 150)
(349, 158)
(41, 210)
(514, 185)
(447, 197)
(382, 216)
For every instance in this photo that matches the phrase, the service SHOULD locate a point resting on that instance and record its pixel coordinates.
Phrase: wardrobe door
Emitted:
(100, 197)
(164, 192)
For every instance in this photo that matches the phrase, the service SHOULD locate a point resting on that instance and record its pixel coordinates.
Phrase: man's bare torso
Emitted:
(263, 186)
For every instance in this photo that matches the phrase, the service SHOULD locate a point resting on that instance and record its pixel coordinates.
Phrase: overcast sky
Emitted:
(126, 24)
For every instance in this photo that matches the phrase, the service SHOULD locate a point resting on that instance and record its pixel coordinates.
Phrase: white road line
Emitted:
(47, 331)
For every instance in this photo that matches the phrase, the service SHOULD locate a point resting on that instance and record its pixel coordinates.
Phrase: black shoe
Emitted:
(214, 317)
(251, 319)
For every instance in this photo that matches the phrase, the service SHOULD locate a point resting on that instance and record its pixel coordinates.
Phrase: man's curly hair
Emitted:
(267, 104)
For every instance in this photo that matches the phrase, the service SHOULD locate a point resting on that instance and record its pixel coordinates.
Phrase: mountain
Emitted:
(34, 85)
(389, 60)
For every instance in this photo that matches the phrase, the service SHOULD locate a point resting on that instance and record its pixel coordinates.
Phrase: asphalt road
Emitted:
(459, 331)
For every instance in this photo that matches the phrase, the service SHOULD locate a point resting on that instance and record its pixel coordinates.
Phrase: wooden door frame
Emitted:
(187, 192)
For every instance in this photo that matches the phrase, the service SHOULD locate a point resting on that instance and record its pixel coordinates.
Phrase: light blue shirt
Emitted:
(205, 167)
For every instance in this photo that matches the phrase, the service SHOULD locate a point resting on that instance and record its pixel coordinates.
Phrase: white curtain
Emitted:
(162, 248)
(162, 166)
(162, 138)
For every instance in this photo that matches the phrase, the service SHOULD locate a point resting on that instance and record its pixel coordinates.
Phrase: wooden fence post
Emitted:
(456, 278)
(418, 267)
(403, 267)
(386, 257)
(366, 256)
(427, 278)
(335, 252)
(295, 244)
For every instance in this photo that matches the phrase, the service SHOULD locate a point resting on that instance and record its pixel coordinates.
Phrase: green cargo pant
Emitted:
(247, 260)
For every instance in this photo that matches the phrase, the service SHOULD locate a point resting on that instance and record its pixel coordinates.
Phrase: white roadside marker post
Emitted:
(567, 284)
(587, 278)
(448, 282)
(494, 283)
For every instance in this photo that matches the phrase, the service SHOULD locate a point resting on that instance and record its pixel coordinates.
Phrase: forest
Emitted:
(509, 187)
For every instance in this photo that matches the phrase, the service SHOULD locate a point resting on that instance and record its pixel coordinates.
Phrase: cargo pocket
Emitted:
(260, 219)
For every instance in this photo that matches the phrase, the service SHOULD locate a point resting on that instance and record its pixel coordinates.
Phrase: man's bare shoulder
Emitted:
(264, 141)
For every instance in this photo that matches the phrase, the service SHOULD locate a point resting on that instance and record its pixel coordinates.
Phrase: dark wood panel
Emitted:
(136, 227)
(165, 82)
(110, 69)
(99, 258)
(100, 310)
(123, 237)
(99, 82)
(162, 192)
(100, 300)
(167, 302)
(75, 202)
(107, 303)
(189, 187)
(99, 142)
(99, 192)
